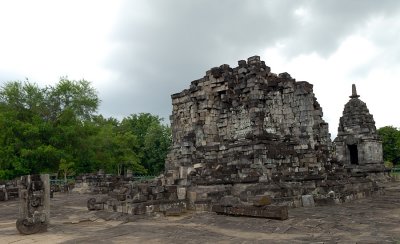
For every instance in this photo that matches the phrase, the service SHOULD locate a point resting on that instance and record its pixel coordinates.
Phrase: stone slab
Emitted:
(270, 212)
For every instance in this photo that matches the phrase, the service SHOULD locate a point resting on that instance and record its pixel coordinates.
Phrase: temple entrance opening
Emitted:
(353, 154)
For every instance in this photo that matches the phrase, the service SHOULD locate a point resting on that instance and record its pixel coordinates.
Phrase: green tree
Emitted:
(154, 139)
(39, 126)
(66, 168)
(391, 143)
(116, 150)
(45, 129)
(125, 153)
(72, 105)
(157, 143)
(76, 96)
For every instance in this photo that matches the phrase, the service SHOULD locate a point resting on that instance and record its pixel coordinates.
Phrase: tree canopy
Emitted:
(57, 129)
(391, 143)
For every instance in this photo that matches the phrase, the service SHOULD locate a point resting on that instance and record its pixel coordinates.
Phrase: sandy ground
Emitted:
(372, 220)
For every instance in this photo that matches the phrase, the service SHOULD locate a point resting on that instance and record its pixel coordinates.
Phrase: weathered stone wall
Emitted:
(246, 125)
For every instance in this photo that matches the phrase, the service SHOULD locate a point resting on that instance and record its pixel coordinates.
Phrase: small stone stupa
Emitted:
(358, 146)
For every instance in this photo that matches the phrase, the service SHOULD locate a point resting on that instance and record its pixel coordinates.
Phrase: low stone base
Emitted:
(170, 208)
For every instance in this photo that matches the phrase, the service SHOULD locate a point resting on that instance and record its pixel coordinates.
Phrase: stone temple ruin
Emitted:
(247, 137)
(245, 131)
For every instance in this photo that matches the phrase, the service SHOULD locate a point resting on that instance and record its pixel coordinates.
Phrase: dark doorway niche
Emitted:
(353, 154)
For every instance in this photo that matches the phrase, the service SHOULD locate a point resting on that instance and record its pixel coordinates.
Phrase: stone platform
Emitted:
(368, 220)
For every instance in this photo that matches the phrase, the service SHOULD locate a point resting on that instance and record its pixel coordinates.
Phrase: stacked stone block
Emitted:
(248, 128)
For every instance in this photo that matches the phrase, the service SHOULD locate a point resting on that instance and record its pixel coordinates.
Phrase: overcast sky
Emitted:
(138, 53)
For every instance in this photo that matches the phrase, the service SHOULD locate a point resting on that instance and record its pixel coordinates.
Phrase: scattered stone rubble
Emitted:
(8, 190)
(139, 197)
(125, 194)
(99, 183)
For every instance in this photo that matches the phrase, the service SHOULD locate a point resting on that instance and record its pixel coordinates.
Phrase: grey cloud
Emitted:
(183, 39)
(332, 21)
(179, 40)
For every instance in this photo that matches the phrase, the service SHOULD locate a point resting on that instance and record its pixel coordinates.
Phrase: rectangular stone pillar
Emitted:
(34, 208)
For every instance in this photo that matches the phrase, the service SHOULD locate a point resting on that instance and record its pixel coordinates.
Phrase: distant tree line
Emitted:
(57, 129)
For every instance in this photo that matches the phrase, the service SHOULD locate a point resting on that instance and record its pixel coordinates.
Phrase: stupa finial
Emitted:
(354, 91)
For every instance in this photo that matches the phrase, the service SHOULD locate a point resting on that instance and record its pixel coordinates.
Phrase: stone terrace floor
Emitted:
(371, 220)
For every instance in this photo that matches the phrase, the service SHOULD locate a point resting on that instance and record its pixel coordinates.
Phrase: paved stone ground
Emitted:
(372, 220)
